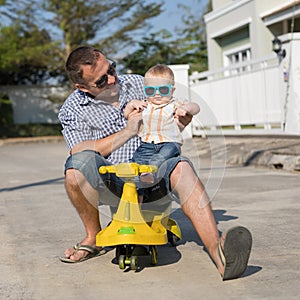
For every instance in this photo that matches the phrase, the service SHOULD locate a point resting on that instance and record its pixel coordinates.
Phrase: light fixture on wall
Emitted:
(277, 48)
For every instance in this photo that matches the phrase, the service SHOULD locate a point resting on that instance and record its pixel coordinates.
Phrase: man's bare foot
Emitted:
(70, 251)
(76, 254)
(216, 256)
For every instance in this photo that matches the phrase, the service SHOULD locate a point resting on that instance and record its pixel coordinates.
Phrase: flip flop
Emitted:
(92, 252)
(235, 252)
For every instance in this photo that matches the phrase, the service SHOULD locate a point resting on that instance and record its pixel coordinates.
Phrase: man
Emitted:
(97, 134)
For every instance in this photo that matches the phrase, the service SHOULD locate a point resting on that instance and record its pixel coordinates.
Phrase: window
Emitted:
(236, 57)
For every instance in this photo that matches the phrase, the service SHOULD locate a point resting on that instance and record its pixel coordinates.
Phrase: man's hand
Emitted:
(134, 122)
(134, 105)
(138, 105)
(110, 143)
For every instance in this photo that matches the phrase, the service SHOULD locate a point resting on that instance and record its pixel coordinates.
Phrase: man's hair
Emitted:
(80, 56)
(160, 71)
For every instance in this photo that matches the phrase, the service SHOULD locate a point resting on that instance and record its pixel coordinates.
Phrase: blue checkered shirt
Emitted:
(84, 118)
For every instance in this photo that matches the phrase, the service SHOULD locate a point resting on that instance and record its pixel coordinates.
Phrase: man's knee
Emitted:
(182, 166)
(73, 179)
(182, 170)
(79, 190)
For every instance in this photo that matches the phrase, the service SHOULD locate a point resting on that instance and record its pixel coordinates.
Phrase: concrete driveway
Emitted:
(37, 223)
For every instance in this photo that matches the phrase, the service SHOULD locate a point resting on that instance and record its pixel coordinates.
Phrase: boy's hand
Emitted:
(182, 118)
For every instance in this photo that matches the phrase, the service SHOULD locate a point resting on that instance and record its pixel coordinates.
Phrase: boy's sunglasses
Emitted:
(102, 81)
(163, 90)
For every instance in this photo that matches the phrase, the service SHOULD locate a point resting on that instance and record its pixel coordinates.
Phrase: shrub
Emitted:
(6, 115)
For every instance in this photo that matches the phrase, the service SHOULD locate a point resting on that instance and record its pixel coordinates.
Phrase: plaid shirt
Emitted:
(84, 118)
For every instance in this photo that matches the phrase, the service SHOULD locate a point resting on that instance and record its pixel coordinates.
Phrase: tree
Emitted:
(19, 45)
(107, 24)
(19, 62)
(192, 44)
(152, 50)
(40, 34)
(189, 48)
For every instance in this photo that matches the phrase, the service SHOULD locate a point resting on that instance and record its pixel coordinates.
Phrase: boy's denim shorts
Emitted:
(110, 186)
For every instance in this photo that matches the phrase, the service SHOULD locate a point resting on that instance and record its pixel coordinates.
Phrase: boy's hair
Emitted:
(160, 71)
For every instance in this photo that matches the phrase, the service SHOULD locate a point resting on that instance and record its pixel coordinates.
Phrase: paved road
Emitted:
(37, 223)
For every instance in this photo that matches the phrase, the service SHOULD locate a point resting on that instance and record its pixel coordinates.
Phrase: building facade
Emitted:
(253, 65)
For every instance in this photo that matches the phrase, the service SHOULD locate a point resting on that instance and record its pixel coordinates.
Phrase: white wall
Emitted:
(31, 104)
(290, 72)
(182, 89)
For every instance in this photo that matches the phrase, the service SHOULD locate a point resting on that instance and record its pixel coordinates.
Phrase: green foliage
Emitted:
(192, 41)
(26, 49)
(31, 130)
(40, 34)
(91, 21)
(161, 47)
(26, 55)
(152, 50)
(6, 114)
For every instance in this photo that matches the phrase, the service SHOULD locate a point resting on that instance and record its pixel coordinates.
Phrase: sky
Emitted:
(171, 17)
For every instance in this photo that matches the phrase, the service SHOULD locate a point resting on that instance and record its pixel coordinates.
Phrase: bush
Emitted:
(6, 115)
(33, 130)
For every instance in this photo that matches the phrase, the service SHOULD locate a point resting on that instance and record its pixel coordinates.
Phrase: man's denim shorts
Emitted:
(110, 186)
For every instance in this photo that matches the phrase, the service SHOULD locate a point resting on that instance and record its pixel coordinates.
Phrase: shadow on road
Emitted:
(29, 185)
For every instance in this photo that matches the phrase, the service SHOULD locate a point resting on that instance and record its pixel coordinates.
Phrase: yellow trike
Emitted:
(133, 231)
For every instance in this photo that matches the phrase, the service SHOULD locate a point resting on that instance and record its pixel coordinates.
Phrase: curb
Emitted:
(287, 162)
(40, 139)
(281, 153)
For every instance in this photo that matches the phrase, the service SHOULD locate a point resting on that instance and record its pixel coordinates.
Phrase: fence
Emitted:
(260, 96)
(244, 97)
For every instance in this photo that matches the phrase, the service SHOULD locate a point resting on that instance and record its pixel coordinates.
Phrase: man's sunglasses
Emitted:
(102, 81)
(163, 90)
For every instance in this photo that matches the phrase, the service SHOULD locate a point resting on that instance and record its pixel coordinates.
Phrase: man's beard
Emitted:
(110, 95)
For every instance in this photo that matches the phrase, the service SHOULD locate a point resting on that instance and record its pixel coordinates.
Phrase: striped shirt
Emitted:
(159, 125)
(84, 118)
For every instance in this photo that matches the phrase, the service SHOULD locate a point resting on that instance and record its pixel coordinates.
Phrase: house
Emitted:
(253, 78)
